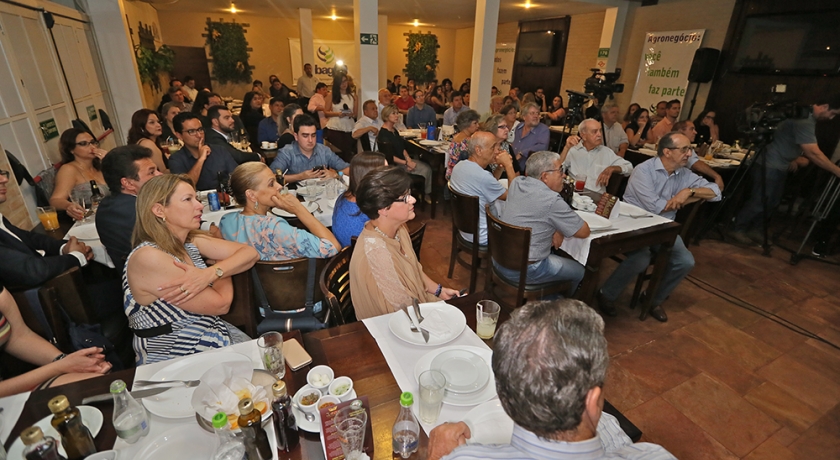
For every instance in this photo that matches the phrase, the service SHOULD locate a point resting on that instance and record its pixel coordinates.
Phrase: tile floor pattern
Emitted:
(717, 381)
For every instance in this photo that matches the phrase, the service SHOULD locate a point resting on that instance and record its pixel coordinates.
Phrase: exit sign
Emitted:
(369, 39)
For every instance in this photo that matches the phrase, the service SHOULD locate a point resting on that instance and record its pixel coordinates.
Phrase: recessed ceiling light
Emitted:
(416, 23)
(527, 3)
(233, 8)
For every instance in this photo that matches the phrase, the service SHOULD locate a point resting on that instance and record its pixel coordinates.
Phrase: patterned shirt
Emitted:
(457, 152)
(273, 237)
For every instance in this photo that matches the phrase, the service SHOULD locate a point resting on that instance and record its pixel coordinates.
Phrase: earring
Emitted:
(256, 206)
(164, 219)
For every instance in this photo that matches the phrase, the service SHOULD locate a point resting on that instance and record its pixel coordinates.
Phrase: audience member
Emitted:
(405, 101)
(458, 107)
(529, 98)
(126, 170)
(497, 125)
(661, 110)
(534, 201)
(662, 186)
(614, 136)
(436, 100)
(556, 113)
(638, 128)
(686, 128)
(385, 98)
(305, 158)
(494, 91)
(317, 107)
(447, 90)
(633, 108)
(395, 84)
(587, 155)
(167, 130)
(411, 86)
(550, 362)
(252, 114)
(509, 112)
(287, 121)
(202, 163)
(495, 107)
(514, 98)
(367, 126)
(384, 271)
(146, 131)
(81, 160)
(391, 144)
(257, 87)
(707, 131)
(175, 96)
(420, 113)
(467, 125)
(281, 91)
(348, 221)
(664, 125)
(540, 99)
(466, 99)
(341, 113)
(189, 87)
(222, 126)
(269, 128)
(307, 82)
(531, 135)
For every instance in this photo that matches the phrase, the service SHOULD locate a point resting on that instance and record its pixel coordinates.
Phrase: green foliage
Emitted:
(422, 57)
(229, 51)
(150, 63)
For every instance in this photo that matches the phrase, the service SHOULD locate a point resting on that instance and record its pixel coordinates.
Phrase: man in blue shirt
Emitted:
(420, 113)
(305, 158)
(201, 162)
(268, 130)
(530, 135)
(662, 186)
(458, 106)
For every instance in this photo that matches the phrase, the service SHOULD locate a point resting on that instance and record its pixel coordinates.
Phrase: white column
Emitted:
(307, 47)
(366, 21)
(484, 52)
(611, 34)
(383, 51)
(110, 30)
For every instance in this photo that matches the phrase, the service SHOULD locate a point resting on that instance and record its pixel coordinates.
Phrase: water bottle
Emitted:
(230, 446)
(406, 432)
(130, 419)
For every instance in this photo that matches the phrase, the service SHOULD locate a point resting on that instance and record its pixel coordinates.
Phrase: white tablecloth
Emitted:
(12, 408)
(88, 228)
(402, 356)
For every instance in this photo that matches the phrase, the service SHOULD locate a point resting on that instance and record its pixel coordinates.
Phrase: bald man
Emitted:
(586, 154)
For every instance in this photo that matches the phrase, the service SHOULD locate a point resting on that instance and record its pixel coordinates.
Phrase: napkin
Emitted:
(434, 323)
(583, 202)
(223, 386)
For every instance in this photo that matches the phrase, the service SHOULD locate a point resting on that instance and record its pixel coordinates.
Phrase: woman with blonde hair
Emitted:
(254, 186)
(171, 297)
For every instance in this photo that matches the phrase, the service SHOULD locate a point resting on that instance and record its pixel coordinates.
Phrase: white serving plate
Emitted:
(464, 370)
(310, 205)
(454, 399)
(454, 318)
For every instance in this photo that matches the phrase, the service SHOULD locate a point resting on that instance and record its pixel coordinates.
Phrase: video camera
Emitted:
(760, 120)
(603, 84)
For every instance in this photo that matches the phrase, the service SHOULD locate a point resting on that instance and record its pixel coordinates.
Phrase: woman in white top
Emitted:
(509, 112)
(341, 112)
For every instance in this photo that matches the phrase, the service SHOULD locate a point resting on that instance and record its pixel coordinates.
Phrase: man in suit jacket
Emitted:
(222, 124)
(126, 170)
(31, 259)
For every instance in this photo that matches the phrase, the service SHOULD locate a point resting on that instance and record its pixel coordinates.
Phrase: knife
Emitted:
(422, 331)
(139, 394)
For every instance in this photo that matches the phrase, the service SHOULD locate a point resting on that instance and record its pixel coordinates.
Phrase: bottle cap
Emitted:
(117, 386)
(406, 399)
(31, 435)
(279, 388)
(220, 420)
(58, 404)
(246, 406)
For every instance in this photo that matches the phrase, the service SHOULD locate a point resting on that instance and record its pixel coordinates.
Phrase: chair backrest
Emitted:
(291, 284)
(465, 213)
(335, 286)
(417, 239)
(243, 308)
(49, 300)
(508, 244)
(364, 140)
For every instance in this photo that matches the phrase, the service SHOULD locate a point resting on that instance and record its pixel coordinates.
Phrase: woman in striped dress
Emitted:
(172, 299)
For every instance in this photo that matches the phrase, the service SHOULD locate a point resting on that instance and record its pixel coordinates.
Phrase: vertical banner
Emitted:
(503, 66)
(663, 70)
(327, 53)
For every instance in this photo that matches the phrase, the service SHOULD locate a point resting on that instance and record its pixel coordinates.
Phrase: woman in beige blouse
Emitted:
(384, 271)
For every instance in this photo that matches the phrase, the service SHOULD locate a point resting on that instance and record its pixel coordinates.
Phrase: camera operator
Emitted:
(793, 138)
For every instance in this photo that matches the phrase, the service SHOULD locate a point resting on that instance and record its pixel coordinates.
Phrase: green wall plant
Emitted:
(422, 57)
(151, 62)
(228, 52)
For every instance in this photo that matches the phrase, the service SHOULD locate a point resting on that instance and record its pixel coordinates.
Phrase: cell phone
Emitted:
(319, 168)
(296, 356)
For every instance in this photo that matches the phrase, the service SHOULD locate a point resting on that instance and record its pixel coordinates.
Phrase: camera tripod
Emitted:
(820, 212)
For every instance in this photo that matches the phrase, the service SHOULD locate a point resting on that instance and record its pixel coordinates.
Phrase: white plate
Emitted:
(454, 399)
(595, 221)
(464, 370)
(310, 182)
(300, 417)
(186, 441)
(85, 232)
(91, 418)
(310, 205)
(489, 424)
(454, 318)
(176, 403)
(430, 142)
(311, 191)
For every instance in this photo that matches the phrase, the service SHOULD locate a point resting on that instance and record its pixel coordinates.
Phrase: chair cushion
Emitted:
(528, 287)
(482, 248)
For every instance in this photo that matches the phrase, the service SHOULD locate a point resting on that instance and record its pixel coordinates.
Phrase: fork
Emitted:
(410, 323)
(416, 303)
(186, 383)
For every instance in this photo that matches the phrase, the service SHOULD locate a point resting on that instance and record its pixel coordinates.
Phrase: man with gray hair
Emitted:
(550, 361)
(471, 177)
(585, 154)
(534, 201)
(614, 136)
(496, 103)
(530, 135)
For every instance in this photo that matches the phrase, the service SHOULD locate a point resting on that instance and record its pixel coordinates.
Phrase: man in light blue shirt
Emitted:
(451, 114)
(305, 158)
(661, 185)
(550, 361)
(421, 112)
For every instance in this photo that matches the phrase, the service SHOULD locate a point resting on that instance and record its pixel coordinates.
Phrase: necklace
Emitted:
(85, 174)
(396, 237)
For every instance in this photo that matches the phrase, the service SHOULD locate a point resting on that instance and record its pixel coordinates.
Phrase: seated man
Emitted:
(534, 201)
(458, 106)
(472, 178)
(268, 129)
(368, 124)
(222, 125)
(405, 101)
(495, 107)
(201, 162)
(661, 185)
(589, 156)
(305, 158)
(530, 135)
(550, 361)
(686, 128)
(614, 136)
(663, 126)
(31, 259)
(421, 112)
(126, 169)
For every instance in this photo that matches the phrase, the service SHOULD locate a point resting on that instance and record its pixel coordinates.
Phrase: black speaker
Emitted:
(704, 64)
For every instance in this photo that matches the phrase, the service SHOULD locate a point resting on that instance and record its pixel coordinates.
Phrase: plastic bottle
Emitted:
(250, 423)
(230, 447)
(285, 424)
(38, 446)
(75, 436)
(406, 432)
(130, 420)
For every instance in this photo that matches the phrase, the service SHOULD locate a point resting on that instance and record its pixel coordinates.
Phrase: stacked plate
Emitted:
(469, 378)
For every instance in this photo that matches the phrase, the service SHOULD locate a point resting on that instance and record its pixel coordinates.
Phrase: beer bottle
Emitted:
(250, 423)
(75, 436)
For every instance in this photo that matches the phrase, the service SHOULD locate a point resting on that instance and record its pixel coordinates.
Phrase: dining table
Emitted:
(355, 350)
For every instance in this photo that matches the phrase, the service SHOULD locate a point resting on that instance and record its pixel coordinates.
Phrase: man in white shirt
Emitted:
(614, 136)
(451, 114)
(588, 155)
(189, 87)
(306, 83)
(368, 124)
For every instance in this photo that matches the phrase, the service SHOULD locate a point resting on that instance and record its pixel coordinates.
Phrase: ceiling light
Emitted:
(334, 17)
(416, 23)
(527, 3)
(339, 63)
(233, 8)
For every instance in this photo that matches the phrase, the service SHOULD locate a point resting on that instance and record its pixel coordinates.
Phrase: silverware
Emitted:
(416, 304)
(636, 217)
(414, 328)
(318, 209)
(139, 394)
(172, 383)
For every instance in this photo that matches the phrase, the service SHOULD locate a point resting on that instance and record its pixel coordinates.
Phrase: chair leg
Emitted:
(474, 271)
(454, 252)
(637, 291)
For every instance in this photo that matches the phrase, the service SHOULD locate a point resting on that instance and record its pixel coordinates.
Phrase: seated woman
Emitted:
(707, 131)
(287, 120)
(638, 127)
(254, 186)
(146, 131)
(629, 115)
(556, 112)
(81, 163)
(437, 100)
(172, 299)
(384, 271)
(391, 144)
(497, 125)
(55, 369)
(509, 111)
(467, 124)
(347, 220)
(252, 114)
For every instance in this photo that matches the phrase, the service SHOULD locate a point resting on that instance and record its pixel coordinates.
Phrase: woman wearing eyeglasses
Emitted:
(81, 160)
(707, 130)
(497, 125)
(384, 271)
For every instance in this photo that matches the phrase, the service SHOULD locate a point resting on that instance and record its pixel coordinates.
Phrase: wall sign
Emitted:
(369, 39)
(48, 129)
(91, 110)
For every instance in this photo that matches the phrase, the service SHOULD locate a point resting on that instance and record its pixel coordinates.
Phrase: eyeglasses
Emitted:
(710, 118)
(193, 132)
(503, 127)
(86, 143)
(5, 173)
(681, 149)
(552, 170)
(403, 198)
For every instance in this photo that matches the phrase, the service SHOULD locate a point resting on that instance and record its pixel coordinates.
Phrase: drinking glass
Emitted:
(48, 217)
(580, 182)
(350, 425)
(486, 316)
(422, 130)
(432, 388)
(83, 201)
(271, 351)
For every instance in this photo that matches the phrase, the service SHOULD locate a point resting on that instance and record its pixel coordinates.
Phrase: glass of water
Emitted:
(271, 352)
(432, 389)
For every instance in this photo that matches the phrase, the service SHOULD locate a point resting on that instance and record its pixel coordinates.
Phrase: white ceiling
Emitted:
(430, 13)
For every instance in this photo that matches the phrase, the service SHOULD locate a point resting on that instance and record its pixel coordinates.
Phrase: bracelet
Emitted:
(438, 290)
(59, 357)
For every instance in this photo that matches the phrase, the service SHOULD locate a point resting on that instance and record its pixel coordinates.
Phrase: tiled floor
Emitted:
(717, 381)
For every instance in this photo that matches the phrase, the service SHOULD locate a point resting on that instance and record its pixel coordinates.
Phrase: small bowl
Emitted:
(323, 370)
(339, 381)
(311, 408)
(327, 399)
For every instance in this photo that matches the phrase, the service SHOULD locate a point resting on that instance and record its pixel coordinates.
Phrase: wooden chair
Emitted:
(243, 309)
(417, 239)
(465, 218)
(290, 288)
(509, 246)
(335, 286)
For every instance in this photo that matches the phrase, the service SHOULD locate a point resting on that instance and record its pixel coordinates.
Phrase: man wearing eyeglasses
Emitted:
(587, 155)
(199, 161)
(662, 186)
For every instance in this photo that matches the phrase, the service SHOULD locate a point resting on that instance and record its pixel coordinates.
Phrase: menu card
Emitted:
(606, 205)
(329, 436)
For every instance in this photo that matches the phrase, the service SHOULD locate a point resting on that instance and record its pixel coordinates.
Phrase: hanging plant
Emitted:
(422, 57)
(151, 62)
(228, 51)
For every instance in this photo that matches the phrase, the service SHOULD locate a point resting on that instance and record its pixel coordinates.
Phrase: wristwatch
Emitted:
(219, 274)
(691, 190)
